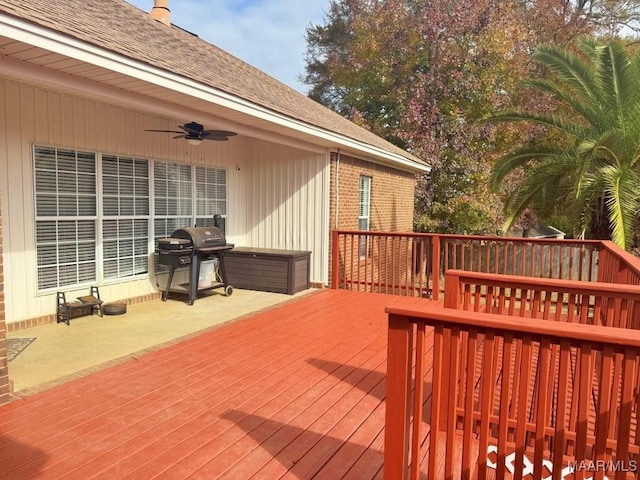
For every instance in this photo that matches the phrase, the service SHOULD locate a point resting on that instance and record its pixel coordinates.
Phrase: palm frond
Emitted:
(592, 112)
(521, 157)
(622, 202)
(570, 69)
(553, 121)
(614, 72)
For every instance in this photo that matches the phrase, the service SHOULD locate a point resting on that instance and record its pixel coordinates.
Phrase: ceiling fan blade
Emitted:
(222, 133)
(180, 136)
(164, 131)
(217, 138)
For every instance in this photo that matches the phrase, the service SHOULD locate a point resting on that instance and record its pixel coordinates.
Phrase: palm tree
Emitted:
(588, 166)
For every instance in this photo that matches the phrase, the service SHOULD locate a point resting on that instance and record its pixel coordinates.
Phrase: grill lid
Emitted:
(174, 244)
(201, 237)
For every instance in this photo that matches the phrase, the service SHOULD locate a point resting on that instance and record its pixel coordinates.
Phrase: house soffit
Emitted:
(166, 94)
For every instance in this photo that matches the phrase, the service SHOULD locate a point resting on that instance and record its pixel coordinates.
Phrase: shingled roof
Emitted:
(124, 29)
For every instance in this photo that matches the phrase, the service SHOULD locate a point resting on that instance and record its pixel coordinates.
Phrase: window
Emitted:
(95, 213)
(65, 217)
(364, 210)
(173, 202)
(211, 194)
(125, 224)
(175, 197)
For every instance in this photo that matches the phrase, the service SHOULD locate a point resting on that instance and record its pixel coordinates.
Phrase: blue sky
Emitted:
(268, 34)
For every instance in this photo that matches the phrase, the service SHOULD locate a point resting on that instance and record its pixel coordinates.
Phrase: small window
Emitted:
(364, 211)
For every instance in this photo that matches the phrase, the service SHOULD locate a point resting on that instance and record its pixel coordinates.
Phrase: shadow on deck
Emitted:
(296, 391)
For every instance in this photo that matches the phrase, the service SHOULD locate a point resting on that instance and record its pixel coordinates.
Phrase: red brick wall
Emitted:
(4, 369)
(392, 196)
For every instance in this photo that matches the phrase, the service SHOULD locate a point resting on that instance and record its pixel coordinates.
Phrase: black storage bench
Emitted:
(85, 305)
(268, 270)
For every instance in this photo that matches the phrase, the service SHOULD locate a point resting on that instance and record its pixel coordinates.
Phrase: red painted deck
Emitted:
(295, 392)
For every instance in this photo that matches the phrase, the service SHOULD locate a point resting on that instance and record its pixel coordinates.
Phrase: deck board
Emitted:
(293, 392)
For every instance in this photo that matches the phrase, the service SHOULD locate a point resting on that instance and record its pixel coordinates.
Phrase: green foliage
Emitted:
(420, 74)
(589, 170)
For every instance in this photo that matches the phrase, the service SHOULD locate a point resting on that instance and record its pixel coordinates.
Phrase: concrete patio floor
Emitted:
(61, 353)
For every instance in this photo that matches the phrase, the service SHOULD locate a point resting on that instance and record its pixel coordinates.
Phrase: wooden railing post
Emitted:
(603, 263)
(452, 291)
(396, 436)
(335, 259)
(435, 266)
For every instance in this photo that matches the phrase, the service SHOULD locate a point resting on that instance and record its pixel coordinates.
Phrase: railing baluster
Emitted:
(629, 375)
(561, 412)
(437, 401)
(542, 404)
(418, 403)
(469, 404)
(522, 401)
(407, 265)
(486, 400)
(584, 400)
(451, 414)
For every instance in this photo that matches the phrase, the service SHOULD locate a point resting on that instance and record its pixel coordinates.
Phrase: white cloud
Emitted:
(270, 35)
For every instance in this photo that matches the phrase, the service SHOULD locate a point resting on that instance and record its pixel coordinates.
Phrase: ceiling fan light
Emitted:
(194, 141)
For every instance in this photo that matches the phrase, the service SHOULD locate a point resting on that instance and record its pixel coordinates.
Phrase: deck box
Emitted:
(267, 269)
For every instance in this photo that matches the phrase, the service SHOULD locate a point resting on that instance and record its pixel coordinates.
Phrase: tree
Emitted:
(588, 167)
(421, 73)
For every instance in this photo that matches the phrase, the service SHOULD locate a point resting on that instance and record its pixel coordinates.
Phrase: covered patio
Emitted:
(295, 391)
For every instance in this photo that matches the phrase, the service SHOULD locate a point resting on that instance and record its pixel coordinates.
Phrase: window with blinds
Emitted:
(94, 224)
(186, 196)
(173, 200)
(125, 224)
(66, 200)
(364, 210)
(211, 194)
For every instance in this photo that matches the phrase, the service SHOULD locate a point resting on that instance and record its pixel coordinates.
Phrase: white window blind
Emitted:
(65, 217)
(69, 190)
(125, 224)
(211, 194)
(173, 200)
(186, 197)
(364, 210)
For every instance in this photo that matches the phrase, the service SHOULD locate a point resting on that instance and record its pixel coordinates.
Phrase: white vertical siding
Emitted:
(30, 115)
(277, 195)
(288, 201)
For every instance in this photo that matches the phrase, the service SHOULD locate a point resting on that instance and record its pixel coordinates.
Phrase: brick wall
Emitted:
(392, 196)
(4, 369)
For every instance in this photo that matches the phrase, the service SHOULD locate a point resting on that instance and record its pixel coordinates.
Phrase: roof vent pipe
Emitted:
(161, 12)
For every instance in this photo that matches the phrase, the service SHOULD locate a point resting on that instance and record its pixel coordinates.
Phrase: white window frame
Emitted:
(126, 209)
(64, 196)
(201, 194)
(195, 199)
(364, 211)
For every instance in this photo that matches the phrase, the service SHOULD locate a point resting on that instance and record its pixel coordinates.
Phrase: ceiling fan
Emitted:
(195, 133)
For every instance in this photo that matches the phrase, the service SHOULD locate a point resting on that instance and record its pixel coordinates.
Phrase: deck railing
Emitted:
(535, 398)
(414, 264)
(617, 266)
(543, 377)
(592, 303)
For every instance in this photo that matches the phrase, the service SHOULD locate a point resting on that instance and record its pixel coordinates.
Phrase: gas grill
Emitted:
(190, 247)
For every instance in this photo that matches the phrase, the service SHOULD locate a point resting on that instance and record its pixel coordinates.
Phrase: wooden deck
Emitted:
(294, 392)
